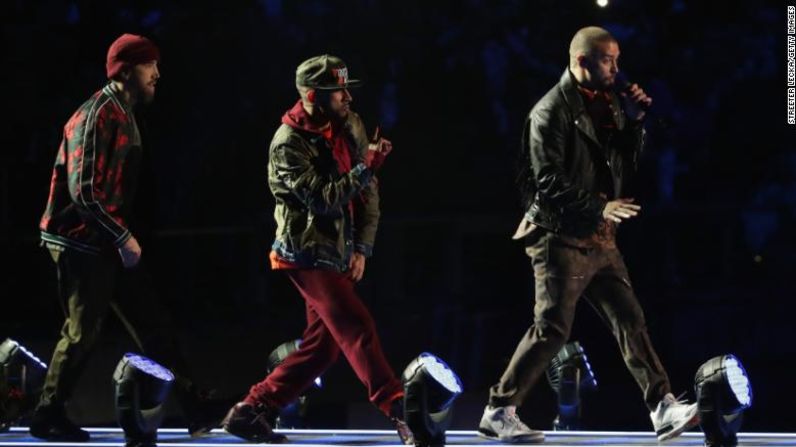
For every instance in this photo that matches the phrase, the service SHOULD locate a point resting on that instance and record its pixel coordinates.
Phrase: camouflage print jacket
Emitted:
(94, 177)
(322, 214)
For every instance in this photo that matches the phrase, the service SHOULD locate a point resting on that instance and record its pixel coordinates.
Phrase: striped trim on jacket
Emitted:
(94, 177)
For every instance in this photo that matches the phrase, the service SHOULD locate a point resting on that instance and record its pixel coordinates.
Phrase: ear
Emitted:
(582, 61)
(311, 95)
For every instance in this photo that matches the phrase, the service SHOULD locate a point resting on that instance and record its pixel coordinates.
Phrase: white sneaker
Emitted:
(672, 417)
(502, 424)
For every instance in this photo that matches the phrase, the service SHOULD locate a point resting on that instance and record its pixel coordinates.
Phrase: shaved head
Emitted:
(593, 58)
(586, 40)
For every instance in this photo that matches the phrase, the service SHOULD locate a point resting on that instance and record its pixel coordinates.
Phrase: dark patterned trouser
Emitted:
(563, 273)
(91, 286)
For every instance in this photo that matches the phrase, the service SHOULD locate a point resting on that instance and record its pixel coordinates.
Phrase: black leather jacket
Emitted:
(564, 153)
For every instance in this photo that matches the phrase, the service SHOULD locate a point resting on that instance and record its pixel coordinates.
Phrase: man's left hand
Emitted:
(635, 102)
(377, 153)
(356, 267)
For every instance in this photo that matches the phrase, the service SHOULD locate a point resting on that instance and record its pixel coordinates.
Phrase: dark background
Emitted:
(711, 256)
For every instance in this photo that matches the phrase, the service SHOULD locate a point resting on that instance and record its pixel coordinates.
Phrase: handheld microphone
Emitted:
(622, 85)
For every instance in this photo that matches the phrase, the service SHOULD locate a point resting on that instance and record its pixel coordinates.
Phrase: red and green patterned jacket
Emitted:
(94, 177)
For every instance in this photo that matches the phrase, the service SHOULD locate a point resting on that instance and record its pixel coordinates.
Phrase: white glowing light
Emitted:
(739, 382)
(441, 372)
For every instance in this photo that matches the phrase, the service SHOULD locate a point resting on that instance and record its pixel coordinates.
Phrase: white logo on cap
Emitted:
(341, 74)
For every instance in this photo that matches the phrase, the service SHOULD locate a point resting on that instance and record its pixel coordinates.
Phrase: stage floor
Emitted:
(18, 436)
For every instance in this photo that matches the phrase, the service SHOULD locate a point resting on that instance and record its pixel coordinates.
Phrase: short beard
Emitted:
(329, 114)
(146, 99)
(140, 94)
(607, 86)
(341, 116)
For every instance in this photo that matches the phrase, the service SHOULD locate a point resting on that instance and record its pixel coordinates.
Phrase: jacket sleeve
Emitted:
(631, 143)
(321, 194)
(90, 154)
(366, 204)
(366, 218)
(547, 145)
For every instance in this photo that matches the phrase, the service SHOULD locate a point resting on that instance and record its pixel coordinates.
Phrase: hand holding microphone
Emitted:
(377, 152)
(636, 102)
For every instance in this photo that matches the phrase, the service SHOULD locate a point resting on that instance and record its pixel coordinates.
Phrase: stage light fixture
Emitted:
(723, 392)
(602, 3)
(430, 387)
(293, 414)
(21, 379)
(141, 388)
(569, 373)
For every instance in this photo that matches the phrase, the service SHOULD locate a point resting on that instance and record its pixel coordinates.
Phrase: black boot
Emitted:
(202, 411)
(397, 418)
(50, 423)
(252, 423)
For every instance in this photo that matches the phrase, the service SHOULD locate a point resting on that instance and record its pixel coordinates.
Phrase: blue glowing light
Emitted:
(739, 381)
(28, 354)
(441, 372)
(149, 366)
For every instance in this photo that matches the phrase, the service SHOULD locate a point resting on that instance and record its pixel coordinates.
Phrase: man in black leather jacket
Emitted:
(581, 143)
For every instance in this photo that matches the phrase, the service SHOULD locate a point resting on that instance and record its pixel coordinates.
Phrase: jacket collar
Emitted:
(117, 97)
(569, 89)
(298, 118)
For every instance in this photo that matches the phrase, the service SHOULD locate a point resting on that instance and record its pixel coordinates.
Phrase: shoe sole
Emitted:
(276, 438)
(677, 431)
(200, 432)
(48, 436)
(528, 439)
(51, 438)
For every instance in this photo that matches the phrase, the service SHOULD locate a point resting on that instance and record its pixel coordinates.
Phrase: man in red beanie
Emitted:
(321, 171)
(85, 228)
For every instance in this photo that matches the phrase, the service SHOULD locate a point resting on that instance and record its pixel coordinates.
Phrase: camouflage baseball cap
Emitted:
(324, 73)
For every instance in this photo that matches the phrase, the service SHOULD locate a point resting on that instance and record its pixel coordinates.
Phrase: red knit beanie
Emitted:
(129, 50)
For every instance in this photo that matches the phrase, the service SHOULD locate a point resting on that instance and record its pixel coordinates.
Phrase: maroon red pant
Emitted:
(337, 320)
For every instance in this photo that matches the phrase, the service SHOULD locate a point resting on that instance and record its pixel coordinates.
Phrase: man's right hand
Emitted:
(130, 253)
(620, 209)
(377, 152)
